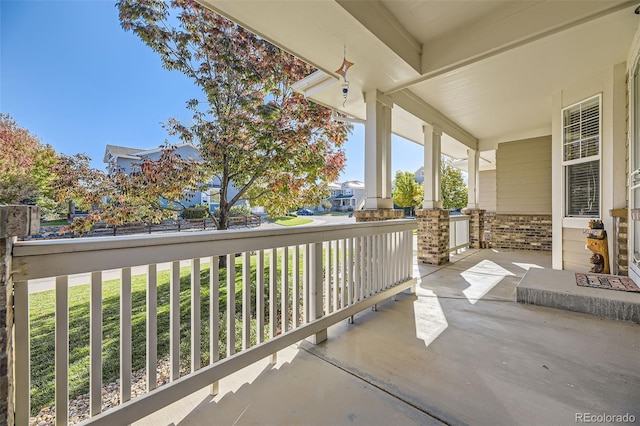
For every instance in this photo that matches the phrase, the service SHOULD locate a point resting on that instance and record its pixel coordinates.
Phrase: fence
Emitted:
(458, 232)
(292, 284)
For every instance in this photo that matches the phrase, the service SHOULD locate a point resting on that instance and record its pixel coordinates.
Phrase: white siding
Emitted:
(575, 256)
(487, 194)
(523, 176)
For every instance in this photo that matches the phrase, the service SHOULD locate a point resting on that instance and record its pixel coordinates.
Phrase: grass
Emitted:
(291, 221)
(54, 222)
(42, 307)
(333, 213)
(42, 322)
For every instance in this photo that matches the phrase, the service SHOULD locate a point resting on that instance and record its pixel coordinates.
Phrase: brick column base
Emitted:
(377, 215)
(15, 221)
(433, 236)
(476, 227)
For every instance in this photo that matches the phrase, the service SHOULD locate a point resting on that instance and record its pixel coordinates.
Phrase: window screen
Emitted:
(581, 155)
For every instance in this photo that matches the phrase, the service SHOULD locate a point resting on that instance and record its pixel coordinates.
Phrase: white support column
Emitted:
(432, 154)
(473, 177)
(377, 151)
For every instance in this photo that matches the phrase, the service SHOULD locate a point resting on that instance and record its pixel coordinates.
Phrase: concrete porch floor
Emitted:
(460, 351)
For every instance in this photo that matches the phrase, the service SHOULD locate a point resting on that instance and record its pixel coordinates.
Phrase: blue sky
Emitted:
(71, 76)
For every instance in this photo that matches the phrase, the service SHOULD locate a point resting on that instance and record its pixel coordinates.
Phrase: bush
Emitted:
(195, 213)
(235, 211)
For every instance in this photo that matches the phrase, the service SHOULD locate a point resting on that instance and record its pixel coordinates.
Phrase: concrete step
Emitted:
(558, 289)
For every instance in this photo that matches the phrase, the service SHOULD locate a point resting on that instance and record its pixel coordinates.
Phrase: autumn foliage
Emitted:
(276, 147)
(25, 165)
(152, 191)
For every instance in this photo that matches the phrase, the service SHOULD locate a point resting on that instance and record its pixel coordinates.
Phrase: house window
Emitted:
(581, 158)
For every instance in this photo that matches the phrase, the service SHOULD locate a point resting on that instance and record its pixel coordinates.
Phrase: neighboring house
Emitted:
(347, 195)
(122, 157)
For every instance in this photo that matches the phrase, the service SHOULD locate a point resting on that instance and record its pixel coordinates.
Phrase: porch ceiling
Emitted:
(488, 68)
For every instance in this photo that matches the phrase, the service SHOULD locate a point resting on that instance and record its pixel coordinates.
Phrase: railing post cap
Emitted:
(19, 220)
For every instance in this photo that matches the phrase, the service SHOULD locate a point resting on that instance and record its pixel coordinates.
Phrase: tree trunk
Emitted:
(223, 222)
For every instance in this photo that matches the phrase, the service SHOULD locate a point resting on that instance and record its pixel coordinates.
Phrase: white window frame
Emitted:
(565, 195)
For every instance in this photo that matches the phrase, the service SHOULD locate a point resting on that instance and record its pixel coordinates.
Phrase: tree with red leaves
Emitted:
(25, 166)
(151, 191)
(277, 148)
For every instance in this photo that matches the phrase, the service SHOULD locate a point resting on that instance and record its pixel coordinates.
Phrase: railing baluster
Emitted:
(306, 310)
(336, 278)
(95, 344)
(196, 325)
(345, 275)
(62, 350)
(22, 359)
(285, 289)
(408, 236)
(327, 276)
(214, 315)
(174, 321)
(152, 326)
(379, 258)
(125, 335)
(273, 299)
(357, 275)
(246, 300)
(260, 296)
(370, 264)
(350, 270)
(315, 289)
(231, 304)
(295, 303)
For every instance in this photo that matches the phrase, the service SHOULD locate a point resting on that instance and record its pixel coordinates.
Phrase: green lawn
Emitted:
(292, 221)
(42, 306)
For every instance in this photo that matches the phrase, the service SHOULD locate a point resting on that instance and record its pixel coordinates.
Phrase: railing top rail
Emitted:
(41, 259)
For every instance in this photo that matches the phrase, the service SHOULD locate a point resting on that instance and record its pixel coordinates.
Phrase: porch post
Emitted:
(432, 172)
(378, 203)
(476, 220)
(433, 221)
(15, 221)
(473, 178)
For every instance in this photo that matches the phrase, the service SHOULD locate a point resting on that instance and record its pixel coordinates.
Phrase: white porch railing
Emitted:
(458, 232)
(304, 280)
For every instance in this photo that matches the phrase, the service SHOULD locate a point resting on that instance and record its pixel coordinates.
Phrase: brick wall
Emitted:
(6, 322)
(377, 215)
(623, 254)
(433, 236)
(521, 232)
(489, 217)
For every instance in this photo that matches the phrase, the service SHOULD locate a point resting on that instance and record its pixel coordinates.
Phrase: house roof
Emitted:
(353, 184)
(482, 71)
(115, 151)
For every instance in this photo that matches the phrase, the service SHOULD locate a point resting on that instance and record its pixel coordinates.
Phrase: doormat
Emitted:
(608, 282)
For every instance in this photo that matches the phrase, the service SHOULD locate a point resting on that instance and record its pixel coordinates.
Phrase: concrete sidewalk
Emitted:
(460, 351)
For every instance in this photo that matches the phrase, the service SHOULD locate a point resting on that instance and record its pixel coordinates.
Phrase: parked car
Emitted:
(304, 212)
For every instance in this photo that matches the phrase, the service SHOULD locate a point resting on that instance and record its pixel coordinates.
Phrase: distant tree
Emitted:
(453, 187)
(153, 190)
(25, 166)
(407, 192)
(279, 149)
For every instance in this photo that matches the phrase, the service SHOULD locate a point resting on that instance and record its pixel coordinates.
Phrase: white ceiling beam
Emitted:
(411, 103)
(374, 16)
(453, 52)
